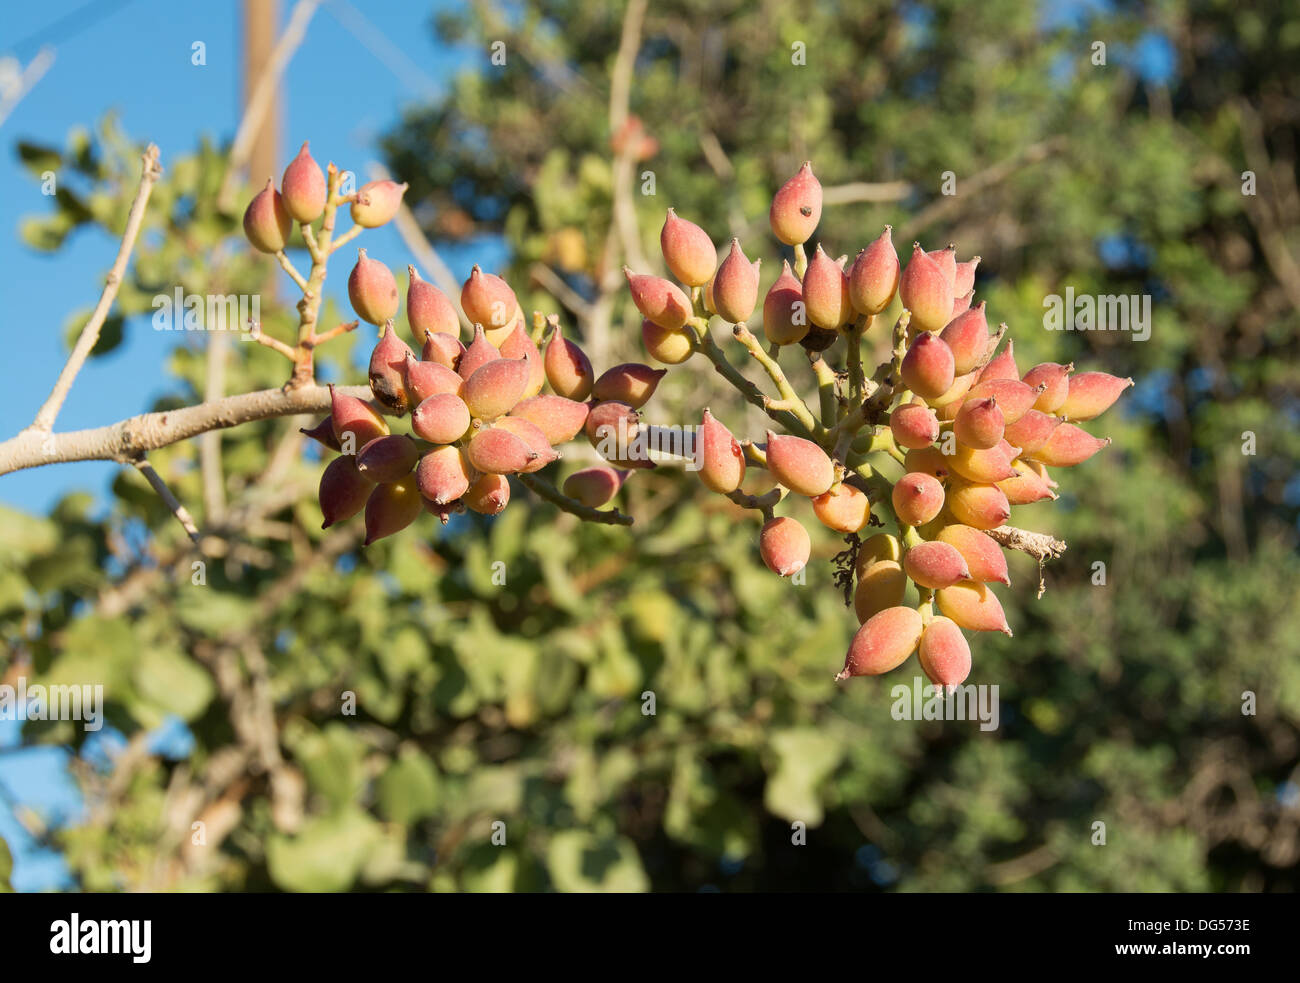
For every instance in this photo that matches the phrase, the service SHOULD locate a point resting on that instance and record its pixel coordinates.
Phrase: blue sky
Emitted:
(357, 69)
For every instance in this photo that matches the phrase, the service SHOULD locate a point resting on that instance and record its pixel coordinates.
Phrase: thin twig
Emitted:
(709, 348)
(150, 173)
(316, 340)
(971, 186)
(544, 489)
(275, 344)
(180, 511)
(287, 265)
(620, 88)
(876, 192)
(551, 282)
(790, 399)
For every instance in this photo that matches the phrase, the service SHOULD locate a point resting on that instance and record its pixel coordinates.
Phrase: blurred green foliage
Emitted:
(525, 703)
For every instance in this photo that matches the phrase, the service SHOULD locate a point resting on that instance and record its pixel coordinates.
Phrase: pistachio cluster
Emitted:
(478, 412)
(941, 442)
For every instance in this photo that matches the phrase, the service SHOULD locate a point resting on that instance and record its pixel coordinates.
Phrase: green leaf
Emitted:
(804, 758)
(582, 862)
(46, 233)
(111, 332)
(407, 791)
(21, 534)
(327, 855)
(214, 612)
(332, 760)
(490, 870)
(38, 158)
(169, 680)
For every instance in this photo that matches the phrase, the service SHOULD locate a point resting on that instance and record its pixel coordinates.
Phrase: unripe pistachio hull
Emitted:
(488, 300)
(917, 498)
(881, 585)
(881, 546)
(873, 278)
(1090, 394)
(843, 509)
(926, 292)
(594, 487)
(980, 506)
(984, 557)
(928, 367)
(914, 426)
(784, 545)
(496, 387)
(425, 379)
(391, 508)
(663, 345)
(518, 345)
(799, 464)
(478, 354)
(568, 369)
(785, 315)
(967, 335)
(935, 564)
(355, 422)
(1056, 380)
(688, 250)
(944, 653)
(797, 207)
(443, 475)
(1031, 431)
(722, 462)
(533, 436)
(559, 419)
(428, 309)
(388, 371)
(488, 494)
(343, 491)
(883, 643)
(388, 458)
(441, 419)
(973, 606)
(496, 451)
(631, 383)
(372, 290)
(1069, 445)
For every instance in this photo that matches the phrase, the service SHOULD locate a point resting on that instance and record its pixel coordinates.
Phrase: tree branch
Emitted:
(847, 194)
(48, 412)
(180, 511)
(126, 440)
(977, 182)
